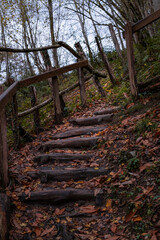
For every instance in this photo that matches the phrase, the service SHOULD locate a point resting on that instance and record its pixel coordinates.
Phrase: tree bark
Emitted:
(106, 63)
(4, 179)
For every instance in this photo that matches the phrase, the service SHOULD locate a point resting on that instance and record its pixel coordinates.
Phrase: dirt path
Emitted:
(85, 182)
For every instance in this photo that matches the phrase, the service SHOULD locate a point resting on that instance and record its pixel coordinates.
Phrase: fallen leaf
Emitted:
(109, 205)
(113, 228)
(113, 238)
(130, 215)
(145, 166)
(88, 209)
(137, 219)
(37, 231)
(59, 211)
(45, 232)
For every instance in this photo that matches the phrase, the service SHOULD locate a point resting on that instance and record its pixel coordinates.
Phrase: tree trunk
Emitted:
(106, 63)
(51, 22)
(115, 41)
(4, 179)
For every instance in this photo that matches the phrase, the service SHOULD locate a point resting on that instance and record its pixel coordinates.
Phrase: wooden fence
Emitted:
(7, 97)
(130, 29)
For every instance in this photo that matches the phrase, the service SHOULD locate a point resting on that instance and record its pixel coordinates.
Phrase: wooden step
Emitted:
(61, 157)
(92, 120)
(58, 195)
(66, 175)
(77, 142)
(78, 132)
(107, 111)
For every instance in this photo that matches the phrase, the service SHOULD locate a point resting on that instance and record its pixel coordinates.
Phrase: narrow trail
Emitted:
(61, 188)
(74, 181)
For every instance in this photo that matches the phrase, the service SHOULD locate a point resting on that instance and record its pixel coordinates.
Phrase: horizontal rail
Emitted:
(6, 96)
(3, 49)
(43, 104)
(146, 21)
(52, 73)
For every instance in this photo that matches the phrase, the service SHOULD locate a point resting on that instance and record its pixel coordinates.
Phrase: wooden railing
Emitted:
(7, 97)
(130, 29)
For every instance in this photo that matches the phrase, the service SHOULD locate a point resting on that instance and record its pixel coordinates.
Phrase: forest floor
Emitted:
(129, 208)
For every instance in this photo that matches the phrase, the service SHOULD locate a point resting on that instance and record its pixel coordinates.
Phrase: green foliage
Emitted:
(133, 164)
(145, 125)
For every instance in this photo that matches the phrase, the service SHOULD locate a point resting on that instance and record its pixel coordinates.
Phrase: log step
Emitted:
(107, 111)
(92, 120)
(76, 142)
(78, 132)
(56, 196)
(61, 157)
(66, 175)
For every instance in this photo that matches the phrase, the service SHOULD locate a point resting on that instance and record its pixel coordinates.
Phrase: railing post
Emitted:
(57, 102)
(37, 121)
(131, 58)
(82, 87)
(3, 148)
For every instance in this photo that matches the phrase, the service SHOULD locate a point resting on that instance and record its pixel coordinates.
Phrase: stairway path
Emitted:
(65, 177)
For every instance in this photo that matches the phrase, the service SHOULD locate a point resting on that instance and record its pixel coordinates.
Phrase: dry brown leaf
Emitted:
(137, 219)
(37, 231)
(145, 166)
(88, 209)
(45, 232)
(130, 215)
(59, 211)
(114, 228)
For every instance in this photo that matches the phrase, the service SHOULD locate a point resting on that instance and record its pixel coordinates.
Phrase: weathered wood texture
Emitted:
(43, 104)
(57, 102)
(3, 49)
(36, 116)
(149, 83)
(76, 142)
(146, 21)
(66, 175)
(6, 96)
(106, 62)
(92, 120)
(4, 216)
(15, 123)
(107, 111)
(52, 73)
(4, 179)
(79, 131)
(61, 157)
(99, 86)
(82, 87)
(79, 56)
(131, 59)
(56, 196)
